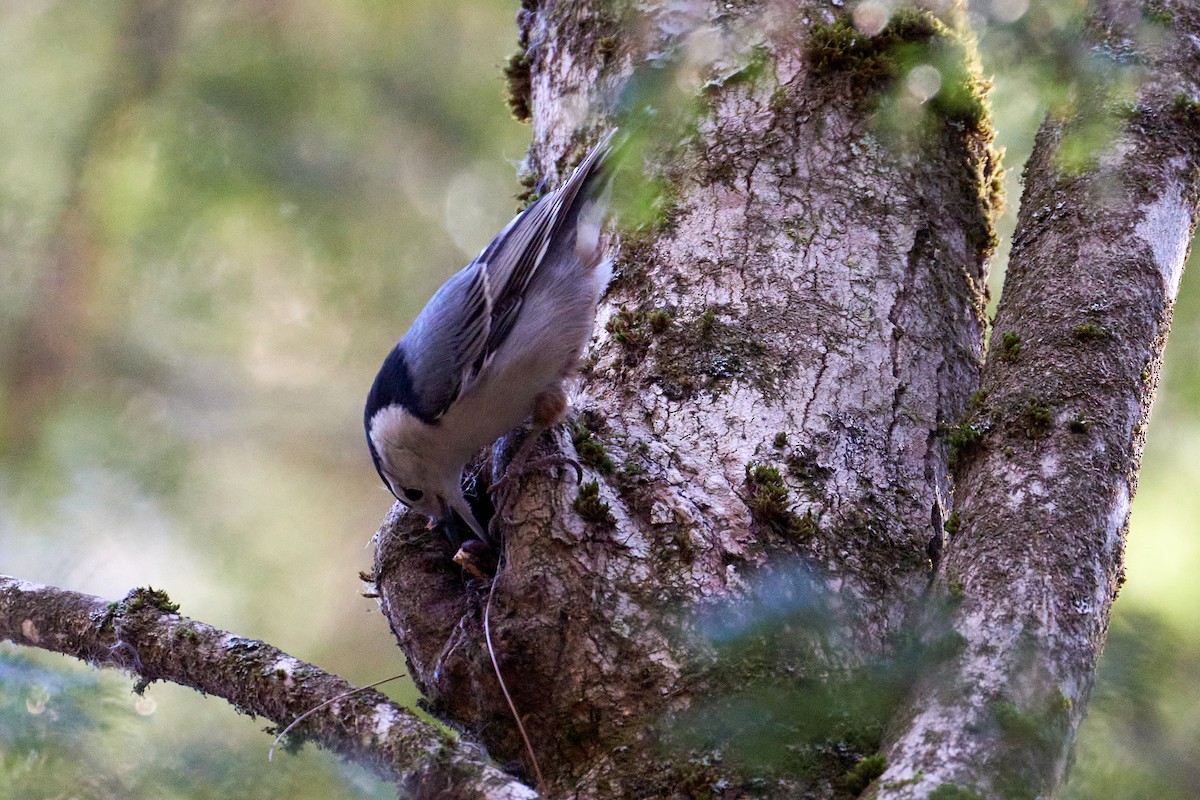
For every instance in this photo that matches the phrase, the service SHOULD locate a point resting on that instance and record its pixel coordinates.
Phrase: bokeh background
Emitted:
(215, 219)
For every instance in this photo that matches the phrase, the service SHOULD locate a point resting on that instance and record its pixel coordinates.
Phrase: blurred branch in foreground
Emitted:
(144, 635)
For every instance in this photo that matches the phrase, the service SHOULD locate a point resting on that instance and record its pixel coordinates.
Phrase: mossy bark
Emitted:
(1043, 493)
(144, 635)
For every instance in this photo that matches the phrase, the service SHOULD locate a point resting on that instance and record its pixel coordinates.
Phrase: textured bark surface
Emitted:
(812, 303)
(1050, 453)
(143, 635)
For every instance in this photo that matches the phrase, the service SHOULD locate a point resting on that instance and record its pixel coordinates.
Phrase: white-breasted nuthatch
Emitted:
(492, 347)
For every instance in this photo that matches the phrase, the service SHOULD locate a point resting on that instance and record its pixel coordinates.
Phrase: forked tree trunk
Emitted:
(1051, 449)
(770, 409)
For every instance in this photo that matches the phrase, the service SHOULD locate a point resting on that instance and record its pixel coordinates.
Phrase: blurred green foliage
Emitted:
(215, 219)
(772, 709)
(67, 731)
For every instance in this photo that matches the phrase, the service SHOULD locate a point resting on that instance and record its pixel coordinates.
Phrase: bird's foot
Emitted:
(515, 471)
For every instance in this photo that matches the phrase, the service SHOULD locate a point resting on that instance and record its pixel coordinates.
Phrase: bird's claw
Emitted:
(549, 461)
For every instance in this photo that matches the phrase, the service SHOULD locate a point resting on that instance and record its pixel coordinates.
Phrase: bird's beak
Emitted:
(460, 507)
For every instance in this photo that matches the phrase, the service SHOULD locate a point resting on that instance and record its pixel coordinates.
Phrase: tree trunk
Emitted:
(752, 593)
(764, 406)
(1051, 450)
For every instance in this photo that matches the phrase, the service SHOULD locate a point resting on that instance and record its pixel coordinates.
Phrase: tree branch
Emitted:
(143, 635)
(1048, 457)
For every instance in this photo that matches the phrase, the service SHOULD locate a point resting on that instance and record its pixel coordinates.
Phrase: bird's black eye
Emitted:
(414, 494)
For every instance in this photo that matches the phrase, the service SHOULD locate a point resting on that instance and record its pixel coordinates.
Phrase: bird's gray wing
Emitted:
(513, 257)
(458, 332)
(445, 340)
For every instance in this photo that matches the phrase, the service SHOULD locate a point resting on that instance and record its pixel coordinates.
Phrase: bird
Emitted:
(493, 347)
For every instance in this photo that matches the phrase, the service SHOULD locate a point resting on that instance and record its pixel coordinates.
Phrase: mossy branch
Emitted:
(144, 635)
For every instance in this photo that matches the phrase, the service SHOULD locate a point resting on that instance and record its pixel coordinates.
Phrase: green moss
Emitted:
(956, 589)
(707, 354)
(529, 193)
(1036, 419)
(803, 526)
(591, 451)
(1090, 332)
(591, 507)
(659, 320)
(1010, 346)
(964, 440)
(963, 100)
(1029, 744)
(148, 597)
(952, 524)
(868, 769)
(868, 61)
(942, 649)
(770, 504)
(769, 501)
(631, 468)
(683, 546)
(916, 778)
(872, 64)
(1079, 423)
(186, 634)
(607, 47)
(1015, 724)
(1156, 14)
(781, 440)
(952, 791)
(1186, 107)
(802, 463)
(775, 707)
(520, 86)
(629, 328)
(701, 354)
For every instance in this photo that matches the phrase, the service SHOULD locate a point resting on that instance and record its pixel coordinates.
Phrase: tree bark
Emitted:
(1051, 450)
(767, 397)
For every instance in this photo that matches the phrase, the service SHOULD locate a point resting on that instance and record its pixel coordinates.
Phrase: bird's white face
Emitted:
(408, 461)
(411, 481)
(416, 493)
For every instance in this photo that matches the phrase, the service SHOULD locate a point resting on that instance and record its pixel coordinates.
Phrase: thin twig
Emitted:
(487, 633)
(315, 709)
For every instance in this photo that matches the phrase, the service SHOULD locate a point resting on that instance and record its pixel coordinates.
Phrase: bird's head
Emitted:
(411, 470)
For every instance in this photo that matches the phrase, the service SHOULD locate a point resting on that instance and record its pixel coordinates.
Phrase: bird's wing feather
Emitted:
(456, 335)
(444, 340)
(513, 257)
